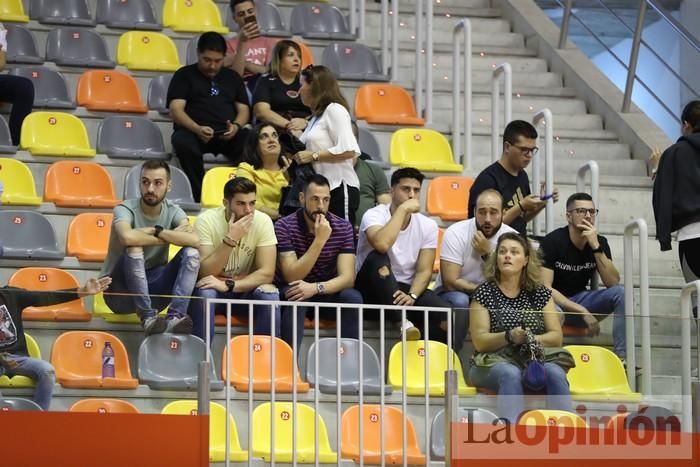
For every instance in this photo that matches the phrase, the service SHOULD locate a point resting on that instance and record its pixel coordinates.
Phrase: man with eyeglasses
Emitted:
(571, 255)
(508, 177)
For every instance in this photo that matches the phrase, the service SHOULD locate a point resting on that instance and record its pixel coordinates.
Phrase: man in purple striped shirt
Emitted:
(316, 263)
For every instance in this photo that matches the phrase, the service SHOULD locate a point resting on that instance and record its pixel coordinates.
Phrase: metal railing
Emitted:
(505, 70)
(686, 386)
(462, 26)
(428, 115)
(592, 168)
(384, 35)
(394, 40)
(544, 116)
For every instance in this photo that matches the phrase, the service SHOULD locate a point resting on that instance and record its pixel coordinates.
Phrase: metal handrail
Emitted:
(384, 35)
(353, 16)
(545, 115)
(466, 159)
(395, 40)
(673, 22)
(686, 319)
(507, 72)
(418, 65)
(361, 20)
(428, 115)
(592, 168)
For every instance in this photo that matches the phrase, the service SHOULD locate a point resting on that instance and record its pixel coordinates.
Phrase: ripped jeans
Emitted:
(36, 369)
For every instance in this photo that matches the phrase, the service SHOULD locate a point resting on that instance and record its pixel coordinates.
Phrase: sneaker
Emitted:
(154, 325)
(412, 333)
(179, 325)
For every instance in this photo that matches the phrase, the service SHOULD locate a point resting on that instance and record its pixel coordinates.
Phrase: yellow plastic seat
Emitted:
(598, 375)
(13, 11)
(217, 429)
(544, 417)
(415, 369)
(174, 249)
(18, 180)
(192, 16)
(426, 150)
(213, 185)
(19, 381)
(142, 50)
(284, 416)
(55, 134)
(101, 310)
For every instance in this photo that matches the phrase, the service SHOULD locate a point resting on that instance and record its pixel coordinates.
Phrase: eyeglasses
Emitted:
(214, 89)
(584, 211)
(525, 150)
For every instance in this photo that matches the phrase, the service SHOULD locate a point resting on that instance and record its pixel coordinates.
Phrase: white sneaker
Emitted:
(412, 333)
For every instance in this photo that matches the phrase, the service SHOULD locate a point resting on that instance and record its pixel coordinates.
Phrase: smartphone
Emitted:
(250, 19)
(546, 197)
(219, 132)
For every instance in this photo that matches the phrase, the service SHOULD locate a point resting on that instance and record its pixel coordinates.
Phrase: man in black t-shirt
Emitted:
(571, 255)
(209, 107)
(508, 177)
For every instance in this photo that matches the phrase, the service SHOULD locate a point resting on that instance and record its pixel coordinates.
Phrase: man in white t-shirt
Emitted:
(396, 251)
(465, 246)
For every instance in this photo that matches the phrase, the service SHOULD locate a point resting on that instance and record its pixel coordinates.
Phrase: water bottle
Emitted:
(108, 361)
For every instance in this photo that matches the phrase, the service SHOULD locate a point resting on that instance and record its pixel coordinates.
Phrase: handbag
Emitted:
(299, 175)
(534, 374)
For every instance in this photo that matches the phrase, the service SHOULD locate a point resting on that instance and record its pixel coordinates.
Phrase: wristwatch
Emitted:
(598, 250)
(158, 230)
(230, 283)
(315, 156)
(413, 296)
(320, 288)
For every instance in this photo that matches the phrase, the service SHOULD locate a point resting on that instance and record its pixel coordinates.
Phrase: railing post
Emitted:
(564, 31)
(507, 72)
(686, 320)
(361, 20)
(385, 36)
(466, 157)
(634, 55)
(395, 40)
(418, 66)
(546, 116)
(429, 62)
(353, 16)
(203, 388)
(451, 411)
(592, 167)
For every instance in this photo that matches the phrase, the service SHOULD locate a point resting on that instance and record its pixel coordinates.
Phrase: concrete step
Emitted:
(542, 79)
(443, 61)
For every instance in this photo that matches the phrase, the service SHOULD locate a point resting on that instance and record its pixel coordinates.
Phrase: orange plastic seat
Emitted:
(77, 358)
(88, 236)
(262, 370)
(76, 184)
(448, 197)
(236, 321)
(49, 279)
(392, 419)
(109, 91)
(104, 406)
(436, 263)
(307, 56)
(386, 104)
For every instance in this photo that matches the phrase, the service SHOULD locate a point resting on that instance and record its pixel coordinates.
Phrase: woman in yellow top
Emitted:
(266, 166)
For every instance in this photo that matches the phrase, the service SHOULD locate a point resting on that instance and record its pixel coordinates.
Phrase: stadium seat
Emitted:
(269, 20)
(173, 250)
(103, 406)
(88, 236)
(50, 88)
(466, 415)
(423, 149)
(77, 358)
(130, 137)
(448, 197)
(262, 369)
(101, 310)
(192, 16)
(598, 375)
(21, 45)
(158, 92)
(353, 61)
(68, 12)
(170, 362)
(284, 414)
(27, 235)
(18, 182)
(392, 421)
(150, 51)
(180, 193)
(11, 404)
(350, 371)
(217, 429)
(307, 56)
(78, 184)
(109, 91)
(55, 134)
(19, 381)
(13, 10)
(213, 185)
(544, 417)
(645, 418)
(415, 369)
(77, 47)
(131, 14)
(320, 21)
(370, 146)
(436, 261)
(191, 54)
(386, 104)
(45, 279)
(6, 146)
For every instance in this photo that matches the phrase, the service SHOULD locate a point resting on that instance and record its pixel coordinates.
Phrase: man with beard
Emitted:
(465, 246)
(137, 258)
(571, 255)
(238, 251)
(316, 261)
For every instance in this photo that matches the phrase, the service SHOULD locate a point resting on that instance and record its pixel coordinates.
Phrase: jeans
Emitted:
(689, 256)
(262, 320)
(506, 380)
(176, 278)
(19, 92)
(459, 301)
(40, 371)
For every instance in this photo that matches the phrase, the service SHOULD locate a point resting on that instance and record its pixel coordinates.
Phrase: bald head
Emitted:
(489, 212)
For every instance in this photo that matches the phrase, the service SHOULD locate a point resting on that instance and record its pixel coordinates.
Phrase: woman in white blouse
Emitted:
(330, 143)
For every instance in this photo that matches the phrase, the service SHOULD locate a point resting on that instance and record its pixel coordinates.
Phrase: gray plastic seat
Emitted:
(18, 404)
(158, 93)
(350, 370)
(21, 46)
(191, 56)
(50, 88)
(466, 415)
(6, 146)
(320, 21)
(68, 12)
(170, 362)
(269, 20)
(130, 137)
(370, 146)
(131, 14)
(353, 61)
(180, 194)
(27, 235)
(77, 47)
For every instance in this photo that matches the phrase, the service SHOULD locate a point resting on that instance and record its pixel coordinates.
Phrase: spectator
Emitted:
(508, 177)
(507, 311)
(14, 357)
(571, 256)
(137, 258)
(209, 107)
(266, 166)
(374, 188)
(316, 260)
(238, 251)
(330, 143)
(16, 90)
(396, 252)
(276, 99)
(465, 247)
